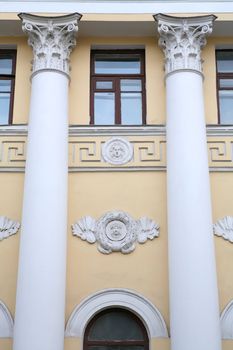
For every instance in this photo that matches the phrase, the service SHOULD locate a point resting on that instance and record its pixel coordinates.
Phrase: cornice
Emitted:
(87, 130)
(118, 6)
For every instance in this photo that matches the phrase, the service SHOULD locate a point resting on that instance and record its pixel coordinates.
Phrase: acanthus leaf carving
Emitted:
(115, 231)
(224, 228)
(8, 227)
(148, 229)
(182, 40)
(52, 40)
(85, 228)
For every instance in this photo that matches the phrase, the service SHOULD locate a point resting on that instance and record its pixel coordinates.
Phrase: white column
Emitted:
(194, 311)
(40, 300)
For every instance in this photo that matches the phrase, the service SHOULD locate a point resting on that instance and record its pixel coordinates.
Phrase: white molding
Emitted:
(131, 7)
(117, 297)
(6, 322)
(87, 130)
(226, 321)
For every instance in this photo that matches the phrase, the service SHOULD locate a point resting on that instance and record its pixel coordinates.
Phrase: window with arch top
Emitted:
(116, 329)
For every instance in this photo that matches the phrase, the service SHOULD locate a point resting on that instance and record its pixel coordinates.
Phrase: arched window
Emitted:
(115, 329)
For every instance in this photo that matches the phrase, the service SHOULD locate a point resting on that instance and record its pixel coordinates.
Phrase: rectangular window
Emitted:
(118, 87)
(225, 85)
(7, 83)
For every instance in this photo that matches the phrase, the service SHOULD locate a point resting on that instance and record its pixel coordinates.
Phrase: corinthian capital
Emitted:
(182, 40)
(52, 40)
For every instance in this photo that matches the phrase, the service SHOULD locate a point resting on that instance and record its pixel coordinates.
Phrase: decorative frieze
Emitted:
(147, 150)
(224, 228)
(182, 40)
(115, 231)
(8, 227)
(52, 40)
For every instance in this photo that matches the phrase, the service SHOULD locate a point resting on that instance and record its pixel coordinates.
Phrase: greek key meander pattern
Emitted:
(149, 149)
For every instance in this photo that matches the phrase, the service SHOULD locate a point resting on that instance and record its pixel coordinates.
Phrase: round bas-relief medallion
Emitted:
(117, 151)
(116, 231)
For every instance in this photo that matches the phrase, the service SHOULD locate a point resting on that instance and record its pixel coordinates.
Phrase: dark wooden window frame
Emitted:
(115, 78)
(6, 54)
(89, 343)
(219, 76)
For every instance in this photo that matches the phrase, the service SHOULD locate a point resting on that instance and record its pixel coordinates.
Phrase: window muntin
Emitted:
(115, 329)
(7, 81)
(117, 88)
(224, 60)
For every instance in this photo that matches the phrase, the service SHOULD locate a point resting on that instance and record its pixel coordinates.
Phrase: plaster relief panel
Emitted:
(117, 150)
(115, 231)
(8, 227)
(224, 228)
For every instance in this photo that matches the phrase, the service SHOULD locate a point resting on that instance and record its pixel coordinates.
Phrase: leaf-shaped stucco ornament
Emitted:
(224, 228)
(8, 227)
(85, 228)
(147, 229)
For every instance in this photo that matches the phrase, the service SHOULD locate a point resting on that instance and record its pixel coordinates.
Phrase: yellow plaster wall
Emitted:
(144, 270)
(222, 199)
(79, 93)
(6, 344)
(80, 77)
(11, 189)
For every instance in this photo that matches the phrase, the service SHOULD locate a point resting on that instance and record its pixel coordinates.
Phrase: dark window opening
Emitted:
(116, 329)
(7, 84)
(118, 87)
(224, 60)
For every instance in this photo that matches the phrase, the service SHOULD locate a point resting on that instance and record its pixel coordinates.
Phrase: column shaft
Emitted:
(40, 300)
(39, 322)
(194, 313)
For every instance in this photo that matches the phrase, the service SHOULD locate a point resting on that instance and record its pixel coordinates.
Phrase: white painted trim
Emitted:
(125, 298)
(86, 130)
(121, 7)
(226, 321)
(6, 322)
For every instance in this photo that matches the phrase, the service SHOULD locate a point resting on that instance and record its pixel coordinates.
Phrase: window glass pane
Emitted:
(104, 85)
(115, 326)
(5, 85)
(117, 64)
(226, 106)
(4, 108)
(131, 108)
(131, 85)
(104, 107)
(5, 65)
(226, 83)
(225, 61)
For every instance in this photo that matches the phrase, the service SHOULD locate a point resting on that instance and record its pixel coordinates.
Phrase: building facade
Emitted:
(116, 160)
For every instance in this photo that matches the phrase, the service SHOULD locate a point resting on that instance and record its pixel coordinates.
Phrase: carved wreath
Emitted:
(115, 231)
